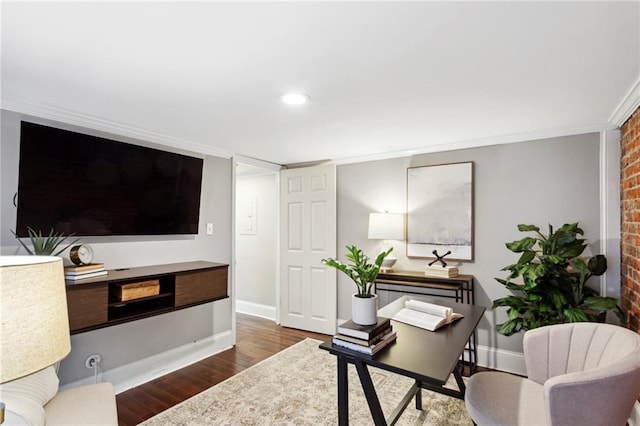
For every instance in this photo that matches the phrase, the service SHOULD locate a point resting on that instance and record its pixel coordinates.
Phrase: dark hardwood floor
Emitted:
(257, 339)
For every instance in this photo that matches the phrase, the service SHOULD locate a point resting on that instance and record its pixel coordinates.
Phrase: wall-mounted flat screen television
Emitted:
(89, 186)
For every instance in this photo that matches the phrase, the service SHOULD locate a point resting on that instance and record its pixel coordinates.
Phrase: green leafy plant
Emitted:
(45, 245)
(359, 269)
(549, 281)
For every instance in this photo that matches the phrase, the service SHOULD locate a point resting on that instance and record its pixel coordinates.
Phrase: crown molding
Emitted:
(95, 123)
(629, 104)
(632, 100)
(477, 143)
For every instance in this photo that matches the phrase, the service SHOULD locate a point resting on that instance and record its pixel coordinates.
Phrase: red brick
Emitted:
(630, 216)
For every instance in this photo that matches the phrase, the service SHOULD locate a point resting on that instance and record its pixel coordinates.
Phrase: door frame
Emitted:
(275, 168)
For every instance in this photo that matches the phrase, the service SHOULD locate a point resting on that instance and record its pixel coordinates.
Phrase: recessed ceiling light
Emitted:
(294, 98)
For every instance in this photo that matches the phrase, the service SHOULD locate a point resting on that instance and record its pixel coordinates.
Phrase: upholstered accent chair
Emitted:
(35, 400)
(578, 374)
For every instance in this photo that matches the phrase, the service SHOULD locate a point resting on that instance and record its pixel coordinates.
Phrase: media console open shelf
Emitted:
(94, 303)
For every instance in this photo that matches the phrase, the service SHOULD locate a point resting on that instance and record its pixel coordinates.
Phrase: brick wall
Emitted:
(630, 182)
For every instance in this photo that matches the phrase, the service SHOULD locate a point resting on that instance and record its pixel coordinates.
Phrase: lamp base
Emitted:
(387, 264)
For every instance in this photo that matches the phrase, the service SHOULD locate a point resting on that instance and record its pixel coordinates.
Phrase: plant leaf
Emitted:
(510, 327)
(600, 303)
(575, 315)
(527, 256)
(553, 259)
(571, 250)
(521, 245)
(527, 228)
(515, 287)
(558, 299)
(514, 301)
(597, 264)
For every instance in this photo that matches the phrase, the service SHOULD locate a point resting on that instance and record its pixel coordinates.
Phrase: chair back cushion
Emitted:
(568, 348)
(590, 372)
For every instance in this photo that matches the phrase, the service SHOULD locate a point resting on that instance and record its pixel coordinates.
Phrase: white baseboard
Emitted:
(138, 372)
(499, 359)
(256, 309)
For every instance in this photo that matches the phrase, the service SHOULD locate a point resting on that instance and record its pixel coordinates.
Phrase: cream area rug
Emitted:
(298, 387)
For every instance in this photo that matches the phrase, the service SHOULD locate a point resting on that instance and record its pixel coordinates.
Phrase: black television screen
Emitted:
(86, 185)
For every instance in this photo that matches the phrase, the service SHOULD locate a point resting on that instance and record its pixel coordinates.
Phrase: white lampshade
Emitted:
(386, 226)
(34, 324)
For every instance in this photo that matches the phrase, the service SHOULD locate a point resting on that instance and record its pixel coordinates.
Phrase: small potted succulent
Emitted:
(364, 303)
(45, 245)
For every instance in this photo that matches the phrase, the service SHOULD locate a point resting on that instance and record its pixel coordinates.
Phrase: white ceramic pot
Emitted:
(364, 310)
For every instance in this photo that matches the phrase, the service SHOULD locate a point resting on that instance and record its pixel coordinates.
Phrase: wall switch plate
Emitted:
(209, 228)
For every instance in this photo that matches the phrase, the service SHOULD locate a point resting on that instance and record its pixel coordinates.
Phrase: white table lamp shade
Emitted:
(386, 226)
(34, 331)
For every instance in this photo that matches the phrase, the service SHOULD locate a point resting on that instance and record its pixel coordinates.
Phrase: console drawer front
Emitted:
(201, 286)
(87, 306)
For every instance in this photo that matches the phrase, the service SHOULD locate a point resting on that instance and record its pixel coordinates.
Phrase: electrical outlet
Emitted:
(93, 360)
(209, 228)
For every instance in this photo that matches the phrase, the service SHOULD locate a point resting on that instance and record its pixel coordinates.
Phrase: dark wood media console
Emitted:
(94, 303)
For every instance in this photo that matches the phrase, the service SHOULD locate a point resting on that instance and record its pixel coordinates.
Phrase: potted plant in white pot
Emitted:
(364, 303)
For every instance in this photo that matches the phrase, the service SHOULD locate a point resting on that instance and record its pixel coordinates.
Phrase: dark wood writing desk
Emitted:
(428, 357)
(392, 285)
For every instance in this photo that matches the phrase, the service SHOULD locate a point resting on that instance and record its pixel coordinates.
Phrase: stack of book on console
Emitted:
(441, 271)
(79, 272)
(367, 339)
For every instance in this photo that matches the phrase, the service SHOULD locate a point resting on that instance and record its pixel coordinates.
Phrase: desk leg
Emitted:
(343, 392)
(460, 382)
(370, 393)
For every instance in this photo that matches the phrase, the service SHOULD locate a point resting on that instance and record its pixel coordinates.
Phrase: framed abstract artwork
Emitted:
(440, 211)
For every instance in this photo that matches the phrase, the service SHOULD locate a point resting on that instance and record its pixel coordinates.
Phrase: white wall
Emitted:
(256, 243)
(127, 343)
(538, 182)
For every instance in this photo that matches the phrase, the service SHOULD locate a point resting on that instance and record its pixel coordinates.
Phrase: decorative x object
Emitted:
(440, 258)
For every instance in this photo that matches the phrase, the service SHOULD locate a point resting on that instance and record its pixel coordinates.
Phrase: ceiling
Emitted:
(384, 78)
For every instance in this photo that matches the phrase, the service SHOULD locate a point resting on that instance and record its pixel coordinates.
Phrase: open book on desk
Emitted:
(426, 315)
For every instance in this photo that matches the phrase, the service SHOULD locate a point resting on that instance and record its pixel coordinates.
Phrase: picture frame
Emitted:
(440, 211)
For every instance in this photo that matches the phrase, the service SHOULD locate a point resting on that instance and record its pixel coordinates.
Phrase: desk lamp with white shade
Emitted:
(386, 226)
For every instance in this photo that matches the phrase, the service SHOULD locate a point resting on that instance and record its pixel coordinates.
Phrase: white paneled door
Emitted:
(308, 296)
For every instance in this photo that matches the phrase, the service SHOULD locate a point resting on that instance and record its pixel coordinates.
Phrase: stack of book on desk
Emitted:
(367, 339)
(79, 272)
(441, 271)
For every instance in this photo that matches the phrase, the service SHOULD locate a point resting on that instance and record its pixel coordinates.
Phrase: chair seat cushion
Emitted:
(83, 405)
(495, 398)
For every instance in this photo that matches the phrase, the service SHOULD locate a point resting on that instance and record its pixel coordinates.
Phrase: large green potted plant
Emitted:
(363, 273)
(549, 281)
(45, 245)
